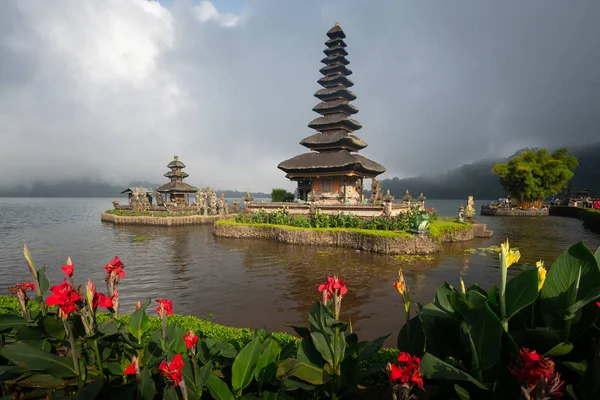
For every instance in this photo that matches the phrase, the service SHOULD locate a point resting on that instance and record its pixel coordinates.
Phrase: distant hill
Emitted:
(476, 179)
(88, 188)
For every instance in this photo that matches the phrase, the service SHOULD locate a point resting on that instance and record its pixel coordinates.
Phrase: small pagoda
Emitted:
(332, 171)
(176, 190)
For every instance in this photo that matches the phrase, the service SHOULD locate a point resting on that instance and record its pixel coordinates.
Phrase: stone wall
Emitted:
(162, 221)
(360, 210)
(590, 217)
(389, 244)
(513, 212)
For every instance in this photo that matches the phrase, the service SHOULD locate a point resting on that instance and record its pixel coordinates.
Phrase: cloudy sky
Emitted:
(112, 89)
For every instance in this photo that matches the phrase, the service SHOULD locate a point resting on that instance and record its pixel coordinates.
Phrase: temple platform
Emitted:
(163, 221)
(513, 212)
(360, 210)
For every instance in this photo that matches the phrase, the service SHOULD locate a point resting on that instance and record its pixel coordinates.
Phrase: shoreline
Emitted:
(162, 221)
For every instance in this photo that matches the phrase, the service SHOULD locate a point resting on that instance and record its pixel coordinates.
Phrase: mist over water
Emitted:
(255, 283)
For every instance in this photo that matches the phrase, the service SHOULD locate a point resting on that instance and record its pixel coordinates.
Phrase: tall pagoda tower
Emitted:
(176, 190)
(332, 169)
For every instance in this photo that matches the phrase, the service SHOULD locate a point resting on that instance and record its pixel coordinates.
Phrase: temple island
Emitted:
(331, 207)
(176, 203)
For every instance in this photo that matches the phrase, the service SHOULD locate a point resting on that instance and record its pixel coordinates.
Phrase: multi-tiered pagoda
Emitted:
(176, 190)
(332, 169)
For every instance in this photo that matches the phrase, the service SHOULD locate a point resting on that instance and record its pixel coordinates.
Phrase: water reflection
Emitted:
(253, 283)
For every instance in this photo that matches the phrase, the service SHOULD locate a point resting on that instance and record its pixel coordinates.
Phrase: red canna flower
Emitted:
(406, 375)
(131, 369)
(115, 267)
(190, 339)
(598, 303)
(102, 300)
(333, 285)
(68, 269)
(536, 373)
(138, 305)
(25, 286)
(165, 306)
(172, 370)
(65, 297)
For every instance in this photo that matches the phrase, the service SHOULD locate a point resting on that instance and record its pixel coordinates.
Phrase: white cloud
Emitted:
(206, 11)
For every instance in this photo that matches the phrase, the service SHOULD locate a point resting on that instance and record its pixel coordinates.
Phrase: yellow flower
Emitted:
(462, 286)
(508, 255)
(400, 285)
(541, 274)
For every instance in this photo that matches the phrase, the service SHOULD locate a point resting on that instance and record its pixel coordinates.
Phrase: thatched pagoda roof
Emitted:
(177, 187)
(331, 161)
(334, 139)
(336, 32)
(176, 163)
(336, 121)
(176, 175)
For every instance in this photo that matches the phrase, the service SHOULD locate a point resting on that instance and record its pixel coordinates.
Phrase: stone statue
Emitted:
(116, 203)
(461, 213)
(312, 209)
(248, 198)
(143, 197)
(200, 200)
(212, 201)
(422, 199)
(470, 210)
(312, 196)
(221, 204)
(407, 197)
(376, 196)
(236, 206)
(388, 198)
(159, 199)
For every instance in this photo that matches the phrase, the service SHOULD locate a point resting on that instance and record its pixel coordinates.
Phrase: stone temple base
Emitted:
(360, 210)
(163, 221)
(513, 212)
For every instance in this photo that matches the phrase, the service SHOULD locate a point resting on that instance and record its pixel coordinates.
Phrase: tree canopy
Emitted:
(281, 196)
(535, 175)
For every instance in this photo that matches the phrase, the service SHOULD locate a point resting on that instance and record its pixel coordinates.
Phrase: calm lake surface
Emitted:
(254, 283)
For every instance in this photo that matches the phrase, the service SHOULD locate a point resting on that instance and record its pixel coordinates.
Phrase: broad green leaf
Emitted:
(242, 370)
(109, 327)
(170, 393)
(555, 294)
(25, 355)
(368, 349)
(521, 291)
(221, 348)
(301, 370)
(274, 396)
(441, 298)
(300, 330)
(592, 295)
(543, 340)
(30, 262)
(10, 372)
(44, 281)
(597, 255)
(175, 341)
(12, 321)
(218, 389)
(579, 368)
(53, 327)
(139, 322)
(266, 366)
(476, 298)
(202, 375)
(115, 369)
(441, 330)
(189, 378)
(91, 390)
(308, 353)
(147, 389)
(434, 368)
(560, 349)
(43, 381)
(339, 347)
(323, 346)
(27, 333)
(493, 295)
(462, 393)
(316, 317)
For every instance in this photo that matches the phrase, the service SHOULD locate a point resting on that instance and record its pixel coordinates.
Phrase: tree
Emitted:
(535, 175)
(281, 195)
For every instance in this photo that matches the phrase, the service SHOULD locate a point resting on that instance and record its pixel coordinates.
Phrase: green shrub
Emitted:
(281, 196)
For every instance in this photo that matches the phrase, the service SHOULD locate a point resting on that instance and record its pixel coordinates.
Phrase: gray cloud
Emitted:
(113, 89)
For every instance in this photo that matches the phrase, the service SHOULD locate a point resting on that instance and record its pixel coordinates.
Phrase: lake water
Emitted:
(254, 283)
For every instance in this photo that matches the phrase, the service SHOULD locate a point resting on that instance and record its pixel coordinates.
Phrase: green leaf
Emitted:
(27, 333)
(28, 356)
(266, 366)
(30, 262)
(322, 345)
(91, 390)
(308, 353)
(301, 370)
(493, 295)
(462, 393)
(221, 348)
(366, 350)
(476, 298)
(115, 369)
(411, 338)
(274, 396)
(12, 321)
(43, 381)
(170, 393)
(579, 368)
(300, 330)
(147, 389)
(242, 370)
(560, 349)
(109, 327)
(555, 294)
(139, 322)
(175, 341)
(53, 327)
(339, 347)
(521, 291)
(441, 330)
(591, 296)
(218, 389)
(44, 281)
(441, 298)
(202, 375)
(434, 368)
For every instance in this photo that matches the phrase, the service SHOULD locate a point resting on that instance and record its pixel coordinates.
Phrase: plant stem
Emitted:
(164, 328)
(73, 348)
(572, 299)
(503, 273)
(98, 358)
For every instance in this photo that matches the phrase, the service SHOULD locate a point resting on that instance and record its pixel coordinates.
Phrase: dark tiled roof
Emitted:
(331, 161)
(130, 190)
(335, 80)
(333, 139)
(336, 32)
(177, 175)
(335, 50)
(177, 187)
(176, 164)
(333, 122)
(335, 42)
(334, 93)
(336, 58)
(335, 68)
(333, 106)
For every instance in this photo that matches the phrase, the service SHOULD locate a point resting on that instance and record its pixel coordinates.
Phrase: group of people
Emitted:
(589, 203)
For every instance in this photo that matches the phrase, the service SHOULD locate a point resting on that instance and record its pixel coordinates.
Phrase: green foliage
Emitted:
(281, 196)
(401, 222)
(536, 175)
